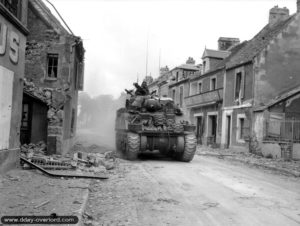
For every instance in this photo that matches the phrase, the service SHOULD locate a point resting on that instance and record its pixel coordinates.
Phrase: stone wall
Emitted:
(62, 91)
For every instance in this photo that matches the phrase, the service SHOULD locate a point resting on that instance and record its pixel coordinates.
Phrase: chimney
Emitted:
(278, 14)
(225, 43)
(298, 6)
(190, 60)
(163, 70)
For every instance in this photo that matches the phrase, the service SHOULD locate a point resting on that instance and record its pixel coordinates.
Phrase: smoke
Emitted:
(96, 117)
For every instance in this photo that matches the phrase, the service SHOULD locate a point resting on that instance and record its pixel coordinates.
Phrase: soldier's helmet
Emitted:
(144, 83)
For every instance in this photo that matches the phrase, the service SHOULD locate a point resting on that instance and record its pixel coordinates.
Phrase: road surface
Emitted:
(207, 191)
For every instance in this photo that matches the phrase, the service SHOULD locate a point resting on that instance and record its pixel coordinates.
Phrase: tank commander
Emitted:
(141, 90)
(145, 87)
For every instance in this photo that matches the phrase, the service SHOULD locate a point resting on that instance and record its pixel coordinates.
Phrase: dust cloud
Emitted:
(96, 117)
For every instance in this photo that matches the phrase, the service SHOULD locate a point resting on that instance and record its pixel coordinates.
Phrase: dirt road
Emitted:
(207, 191)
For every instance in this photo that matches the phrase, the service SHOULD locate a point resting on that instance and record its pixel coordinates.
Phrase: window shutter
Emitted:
(243, 85)
(80, 73)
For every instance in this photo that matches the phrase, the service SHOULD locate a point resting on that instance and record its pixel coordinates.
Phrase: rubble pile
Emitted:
(30, 150)
(95, 162)
(36, 153)
(44, 94)
(54, 97)
(79, 161)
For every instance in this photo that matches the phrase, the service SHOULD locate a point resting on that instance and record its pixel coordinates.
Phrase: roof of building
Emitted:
(222, 63)
(187, 67)
(286, 95)
(45, 14)
(257, 43)
(220, 54)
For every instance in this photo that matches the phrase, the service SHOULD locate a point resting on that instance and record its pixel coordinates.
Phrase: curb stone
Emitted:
(280, 170)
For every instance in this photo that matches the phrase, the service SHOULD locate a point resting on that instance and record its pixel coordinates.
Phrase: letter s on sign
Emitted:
(14, 47)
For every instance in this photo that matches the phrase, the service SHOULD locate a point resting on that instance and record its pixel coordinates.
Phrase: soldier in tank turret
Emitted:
(145, 87)
(141, 90)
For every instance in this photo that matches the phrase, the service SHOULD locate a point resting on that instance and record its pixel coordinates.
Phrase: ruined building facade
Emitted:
(13, 32)
(53, 77)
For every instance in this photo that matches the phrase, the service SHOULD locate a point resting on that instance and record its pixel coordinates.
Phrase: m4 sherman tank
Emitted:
(149, 123)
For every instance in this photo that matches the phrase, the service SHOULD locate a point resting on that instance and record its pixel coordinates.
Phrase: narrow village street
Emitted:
(155, 190)
(207, 191)
(117, 117)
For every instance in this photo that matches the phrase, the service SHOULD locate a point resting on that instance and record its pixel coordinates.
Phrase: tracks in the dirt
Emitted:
(206, 191)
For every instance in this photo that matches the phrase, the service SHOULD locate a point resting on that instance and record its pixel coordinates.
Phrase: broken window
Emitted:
(213, 84)
(239, 86)
(52, 60)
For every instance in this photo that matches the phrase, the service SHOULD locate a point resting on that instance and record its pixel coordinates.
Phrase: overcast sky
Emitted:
(115, 33)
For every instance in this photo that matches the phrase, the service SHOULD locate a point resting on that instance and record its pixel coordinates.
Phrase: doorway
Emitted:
(212, 129)
(228, 131)
(34, 124)
(199, 129)
(25, 134)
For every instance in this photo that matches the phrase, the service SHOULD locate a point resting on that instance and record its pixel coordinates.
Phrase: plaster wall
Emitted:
(204, 112)
(9, 155)
(277, 66)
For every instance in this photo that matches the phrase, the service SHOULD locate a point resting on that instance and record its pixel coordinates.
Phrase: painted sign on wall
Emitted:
(9, 43)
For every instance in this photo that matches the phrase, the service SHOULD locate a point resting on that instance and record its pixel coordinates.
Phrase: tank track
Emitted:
(133, 146)
(190, 145)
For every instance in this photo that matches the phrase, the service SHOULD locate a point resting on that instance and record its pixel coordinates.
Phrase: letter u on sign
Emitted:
(3, 34)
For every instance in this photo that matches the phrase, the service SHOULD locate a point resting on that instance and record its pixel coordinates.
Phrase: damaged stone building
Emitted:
(13, 32)
(261, 87)
(53, 76)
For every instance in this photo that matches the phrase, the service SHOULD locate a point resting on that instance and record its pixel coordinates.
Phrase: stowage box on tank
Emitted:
(149, 123)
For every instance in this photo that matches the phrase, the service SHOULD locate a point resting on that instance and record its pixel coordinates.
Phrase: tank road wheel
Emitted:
(190, 145)
(133, 146)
